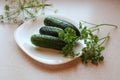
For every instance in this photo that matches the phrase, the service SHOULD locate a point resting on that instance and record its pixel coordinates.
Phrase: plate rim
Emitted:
(16, 40)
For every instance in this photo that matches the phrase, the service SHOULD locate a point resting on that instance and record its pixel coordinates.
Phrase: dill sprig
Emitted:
(18, 11)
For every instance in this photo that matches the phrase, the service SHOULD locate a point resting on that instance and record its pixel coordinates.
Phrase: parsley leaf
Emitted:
(69, 36)
(94, 45)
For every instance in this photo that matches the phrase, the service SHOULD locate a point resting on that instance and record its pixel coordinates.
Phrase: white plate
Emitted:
(48, 56)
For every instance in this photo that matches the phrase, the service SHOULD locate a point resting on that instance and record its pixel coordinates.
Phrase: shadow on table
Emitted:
(51, 68)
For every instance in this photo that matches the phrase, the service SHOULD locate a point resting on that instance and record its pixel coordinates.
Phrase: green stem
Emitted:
(95, 30)
(13, 13)
(41, 5)
(100, 25)
(88, 22)
(104, 39)
(28, 12)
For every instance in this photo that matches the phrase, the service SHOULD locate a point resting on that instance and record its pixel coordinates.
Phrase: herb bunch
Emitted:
(17, 11)
(94, 45)
(69, 36)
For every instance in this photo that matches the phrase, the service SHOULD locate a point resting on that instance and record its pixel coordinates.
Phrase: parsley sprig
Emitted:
(94, 45)
(69, 36)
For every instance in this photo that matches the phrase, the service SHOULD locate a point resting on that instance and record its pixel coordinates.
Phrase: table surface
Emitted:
(16, 65)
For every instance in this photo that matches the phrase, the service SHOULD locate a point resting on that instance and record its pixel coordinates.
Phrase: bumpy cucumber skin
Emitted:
(47, 41)
(49, 30)
(55, 22)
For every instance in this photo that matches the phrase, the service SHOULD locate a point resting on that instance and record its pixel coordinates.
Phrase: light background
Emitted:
(16, 65)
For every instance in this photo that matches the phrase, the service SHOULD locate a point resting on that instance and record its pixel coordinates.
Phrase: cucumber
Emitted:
(49, 30)
(55, 22)
(47, 41)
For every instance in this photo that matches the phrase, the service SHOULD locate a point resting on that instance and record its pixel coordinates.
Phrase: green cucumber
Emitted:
(55, 22)
(49, 30)
(47, 41)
